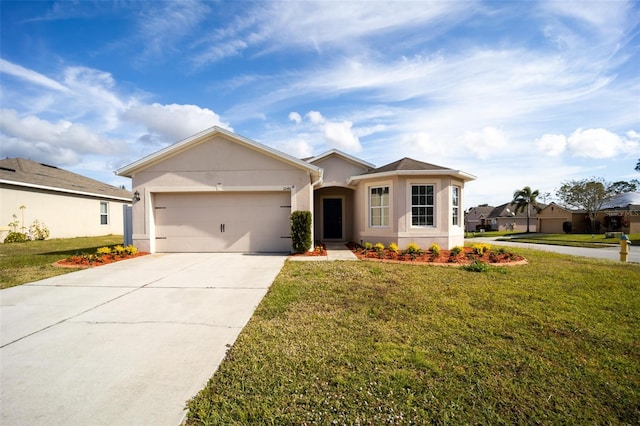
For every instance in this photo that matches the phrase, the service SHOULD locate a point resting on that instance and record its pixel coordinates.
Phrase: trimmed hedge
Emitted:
(301, 231)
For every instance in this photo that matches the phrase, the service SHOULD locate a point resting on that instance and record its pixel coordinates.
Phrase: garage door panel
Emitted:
(193, 222)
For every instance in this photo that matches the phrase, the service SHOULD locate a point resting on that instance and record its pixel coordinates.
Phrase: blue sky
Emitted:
(515, 93)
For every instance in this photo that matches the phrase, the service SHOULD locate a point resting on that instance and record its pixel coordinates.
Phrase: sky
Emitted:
(526, 93)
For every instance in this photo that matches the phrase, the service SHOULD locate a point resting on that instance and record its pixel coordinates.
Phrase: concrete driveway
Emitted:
(127, 343)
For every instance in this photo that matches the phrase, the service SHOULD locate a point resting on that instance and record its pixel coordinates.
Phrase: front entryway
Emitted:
(332, 218)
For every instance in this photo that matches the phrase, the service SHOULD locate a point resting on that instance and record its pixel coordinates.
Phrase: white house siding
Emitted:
(400, 229)
(66, 215)
(212, 166)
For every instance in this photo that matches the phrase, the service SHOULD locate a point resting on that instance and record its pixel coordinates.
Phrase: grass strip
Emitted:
(31, 261)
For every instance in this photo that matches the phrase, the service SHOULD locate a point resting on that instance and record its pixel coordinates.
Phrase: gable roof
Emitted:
(344, 155)
(508, 210)
(567, 209)
(180, 146)
(482, 211)
(408, 166)
(31, 174)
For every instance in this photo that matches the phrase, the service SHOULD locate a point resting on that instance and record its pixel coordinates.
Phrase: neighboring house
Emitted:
(622, 213)
(506, 219)
(477, 218)
(551, 218)
(218, 191)
(70, 205)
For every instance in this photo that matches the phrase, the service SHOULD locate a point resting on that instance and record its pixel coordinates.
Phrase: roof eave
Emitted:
(130, 169)
(346, 156)
(466, 177)
(66, 191)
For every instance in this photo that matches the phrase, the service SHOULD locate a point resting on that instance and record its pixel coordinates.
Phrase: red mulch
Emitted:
(90, 261)
(466, 257)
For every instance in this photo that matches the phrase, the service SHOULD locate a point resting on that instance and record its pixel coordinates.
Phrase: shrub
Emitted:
(301, 231)
(367, 246)
(16, 237)
(393, 248)
(38, 231)
(480, 249)
(435, 250)
(413, 248)
(476, 266)
(379, 247)
(456, 251)
(567, 227)
(119, 250)
(131, 249)
(103, 250)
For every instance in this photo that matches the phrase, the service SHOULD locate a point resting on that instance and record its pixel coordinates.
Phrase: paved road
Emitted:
(611, 253)
(127, 343)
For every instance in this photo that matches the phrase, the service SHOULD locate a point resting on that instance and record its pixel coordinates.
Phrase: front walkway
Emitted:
(335, 251)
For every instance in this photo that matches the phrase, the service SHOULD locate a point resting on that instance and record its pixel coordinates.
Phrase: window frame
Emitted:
(383, 209)
(425, 206)
(104, 214)
(456, 196)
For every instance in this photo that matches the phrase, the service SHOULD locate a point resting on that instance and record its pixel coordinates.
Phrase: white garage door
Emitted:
(551, 225)
(214, 222)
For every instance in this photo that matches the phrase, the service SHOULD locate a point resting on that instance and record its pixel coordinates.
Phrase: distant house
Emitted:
(217, 191)
(70, 205)
(477, 218)
(622, 213)
(551, 218)
(506, 219)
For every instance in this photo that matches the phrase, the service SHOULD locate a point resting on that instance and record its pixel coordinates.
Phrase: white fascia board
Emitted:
(66, 191)
(346, 156)
(128, 170)
(220, 188)
(455, 173)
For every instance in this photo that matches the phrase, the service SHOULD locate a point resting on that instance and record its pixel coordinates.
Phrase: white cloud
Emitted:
(485, 143)
(552, 145)
(599, 143)
(30, 76)
(298, 148)
(174, 122)
(340, 135)
(294, 116)
(62, 142)
(315, 117)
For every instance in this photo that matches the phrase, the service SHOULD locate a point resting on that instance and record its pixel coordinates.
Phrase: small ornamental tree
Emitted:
(301, 231)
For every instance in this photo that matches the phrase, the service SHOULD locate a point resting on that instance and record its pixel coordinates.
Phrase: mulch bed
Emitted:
(466, 257)
(317, 251)
(90, 261)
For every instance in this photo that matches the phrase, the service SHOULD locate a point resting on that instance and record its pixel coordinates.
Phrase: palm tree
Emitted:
(523, 199)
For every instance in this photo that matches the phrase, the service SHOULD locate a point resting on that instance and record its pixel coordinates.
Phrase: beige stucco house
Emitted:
(70, 205)
(550, 219)
(218, 191)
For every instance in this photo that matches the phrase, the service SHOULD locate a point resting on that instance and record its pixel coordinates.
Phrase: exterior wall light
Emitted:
(136, 196)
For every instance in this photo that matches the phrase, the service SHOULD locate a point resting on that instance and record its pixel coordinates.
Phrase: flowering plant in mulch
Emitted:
(477, 253)
(318, 250)
(102, 256)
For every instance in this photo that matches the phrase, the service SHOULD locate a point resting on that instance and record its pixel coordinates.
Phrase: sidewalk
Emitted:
(335, 251)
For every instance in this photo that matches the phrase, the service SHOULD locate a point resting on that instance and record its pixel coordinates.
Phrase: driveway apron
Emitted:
(125, 343)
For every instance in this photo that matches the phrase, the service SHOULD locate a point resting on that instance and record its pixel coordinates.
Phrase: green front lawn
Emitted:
(31, 261)
(576, 240)
(552, 342)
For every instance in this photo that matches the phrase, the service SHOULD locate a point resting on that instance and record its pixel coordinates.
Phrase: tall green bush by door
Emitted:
(301, 231)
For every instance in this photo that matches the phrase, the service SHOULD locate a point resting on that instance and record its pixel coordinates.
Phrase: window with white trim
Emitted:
(455, 202)
(379, 206)
(422, 205)
(104, 213)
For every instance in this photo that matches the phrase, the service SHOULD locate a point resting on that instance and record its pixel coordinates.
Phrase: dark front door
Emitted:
(332, 213)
